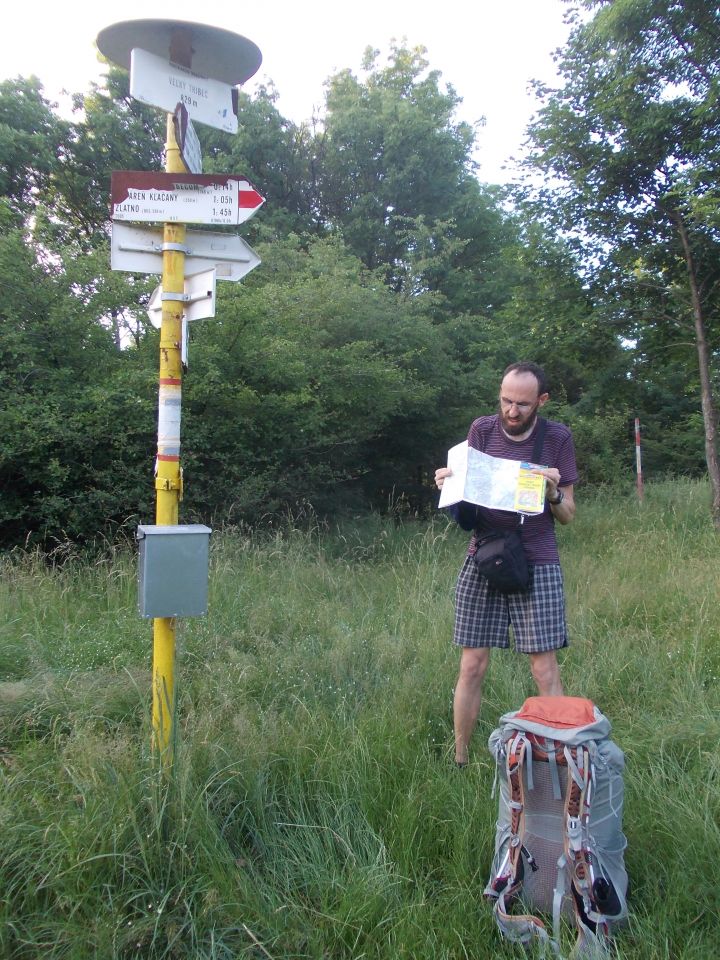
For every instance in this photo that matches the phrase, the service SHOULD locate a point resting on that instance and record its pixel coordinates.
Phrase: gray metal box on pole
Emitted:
(173, 570)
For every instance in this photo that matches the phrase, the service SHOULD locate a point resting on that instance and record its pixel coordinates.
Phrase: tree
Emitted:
(30, 143)
(77, 415)
(391, 163)
(275, 154)
(633, 138)
(113, 132)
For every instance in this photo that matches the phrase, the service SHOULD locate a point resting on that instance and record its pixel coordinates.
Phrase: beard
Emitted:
(520, 424)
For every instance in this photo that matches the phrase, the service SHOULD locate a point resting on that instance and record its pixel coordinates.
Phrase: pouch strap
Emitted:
(539, 440)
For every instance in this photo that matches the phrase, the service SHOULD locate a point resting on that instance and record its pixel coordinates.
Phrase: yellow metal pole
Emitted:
(168, 475)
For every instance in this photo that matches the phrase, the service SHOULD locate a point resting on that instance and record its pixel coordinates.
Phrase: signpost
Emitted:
(146, 197)
(176, 64)
(159, 83)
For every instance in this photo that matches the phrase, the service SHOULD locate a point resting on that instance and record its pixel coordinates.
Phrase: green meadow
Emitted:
(313, 810)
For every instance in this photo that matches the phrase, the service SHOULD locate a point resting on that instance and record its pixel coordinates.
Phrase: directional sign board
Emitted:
(187, 140)
(139, 250)
(200, 303)
(145, 197)
(163, 84)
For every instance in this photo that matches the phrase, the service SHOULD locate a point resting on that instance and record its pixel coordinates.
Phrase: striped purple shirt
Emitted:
(538, 532)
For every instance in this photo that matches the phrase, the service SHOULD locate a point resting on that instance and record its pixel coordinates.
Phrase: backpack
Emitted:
(559, 843)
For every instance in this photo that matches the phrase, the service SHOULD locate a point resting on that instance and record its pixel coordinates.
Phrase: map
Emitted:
(492, 482)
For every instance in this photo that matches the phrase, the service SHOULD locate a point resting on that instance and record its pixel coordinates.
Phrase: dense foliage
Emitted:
(394, 288)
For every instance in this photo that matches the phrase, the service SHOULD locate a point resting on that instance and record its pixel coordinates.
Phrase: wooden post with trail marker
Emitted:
(190, 70)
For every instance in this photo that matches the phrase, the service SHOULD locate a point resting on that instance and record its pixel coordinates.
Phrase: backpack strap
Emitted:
(510, 873)
(518, 928)
(521, 928)
(577, 861)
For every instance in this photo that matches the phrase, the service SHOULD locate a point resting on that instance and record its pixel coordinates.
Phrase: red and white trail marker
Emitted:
(638, 459)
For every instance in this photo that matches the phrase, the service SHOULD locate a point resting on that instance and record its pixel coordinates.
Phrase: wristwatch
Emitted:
(558, 499)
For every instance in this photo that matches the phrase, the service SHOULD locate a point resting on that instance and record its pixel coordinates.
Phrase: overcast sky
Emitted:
(487, 50)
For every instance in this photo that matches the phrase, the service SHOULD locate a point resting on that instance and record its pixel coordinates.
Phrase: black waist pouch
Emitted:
(501, 559)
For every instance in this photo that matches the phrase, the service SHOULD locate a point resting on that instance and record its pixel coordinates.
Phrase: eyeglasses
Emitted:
(522, 407)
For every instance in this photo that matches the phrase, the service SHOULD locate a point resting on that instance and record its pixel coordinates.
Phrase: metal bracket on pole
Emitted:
(197, 297)
(165, 483)
(216, 256)
(179, 247)
(151, 247)
(181, 297)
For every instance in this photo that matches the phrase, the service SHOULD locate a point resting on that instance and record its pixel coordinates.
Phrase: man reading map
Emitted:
(483, 615)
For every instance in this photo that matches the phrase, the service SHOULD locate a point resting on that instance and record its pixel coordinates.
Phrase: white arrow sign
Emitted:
(199, 303)
(140, 250)
(160, 83)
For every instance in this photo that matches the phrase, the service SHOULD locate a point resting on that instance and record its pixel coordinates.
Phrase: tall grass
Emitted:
(313, 811)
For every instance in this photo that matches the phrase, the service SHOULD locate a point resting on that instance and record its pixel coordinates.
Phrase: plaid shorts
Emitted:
(483, 614)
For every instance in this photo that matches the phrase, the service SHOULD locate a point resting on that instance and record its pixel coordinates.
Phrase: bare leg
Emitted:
(546, 674)
(468, 694)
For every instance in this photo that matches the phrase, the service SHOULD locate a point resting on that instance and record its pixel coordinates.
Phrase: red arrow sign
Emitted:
(145, 197)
